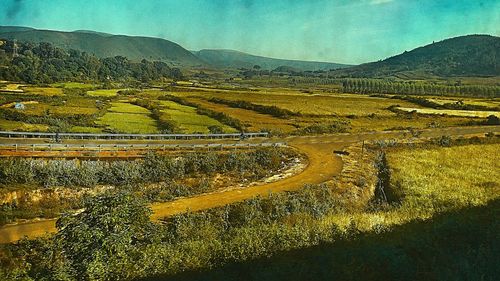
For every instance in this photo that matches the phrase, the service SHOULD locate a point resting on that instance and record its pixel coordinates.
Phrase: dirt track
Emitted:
(323, 165)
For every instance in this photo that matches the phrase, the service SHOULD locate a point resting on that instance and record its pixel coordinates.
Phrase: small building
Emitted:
(19, 105)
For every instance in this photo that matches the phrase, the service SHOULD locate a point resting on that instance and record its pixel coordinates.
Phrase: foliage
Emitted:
(381, 86)
(45, 63)
(106, 239)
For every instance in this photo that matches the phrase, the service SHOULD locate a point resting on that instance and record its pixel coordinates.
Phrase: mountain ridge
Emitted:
(227, 58)
(468, 55)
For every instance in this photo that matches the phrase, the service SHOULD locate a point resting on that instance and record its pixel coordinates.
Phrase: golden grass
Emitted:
(73, 85)
(8, 125)
(189, 121)
(103, 93)
(432, 181)
(460, 113)
(338, 104)
(252, 120)
(481, 102)
(43, 91)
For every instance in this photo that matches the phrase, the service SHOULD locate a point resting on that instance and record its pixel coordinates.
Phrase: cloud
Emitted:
(378, 2)
(13, 9)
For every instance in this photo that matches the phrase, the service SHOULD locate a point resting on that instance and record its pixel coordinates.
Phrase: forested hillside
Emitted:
(104, 45)
(45, 63)
(472, 55)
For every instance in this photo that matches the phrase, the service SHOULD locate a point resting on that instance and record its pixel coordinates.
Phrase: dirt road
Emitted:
(323, 164)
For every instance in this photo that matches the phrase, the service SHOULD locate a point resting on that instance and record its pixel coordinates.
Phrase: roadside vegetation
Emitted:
(235, 238)
(156, 178)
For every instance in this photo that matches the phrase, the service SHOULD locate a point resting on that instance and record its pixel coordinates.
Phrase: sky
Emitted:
(343, 31)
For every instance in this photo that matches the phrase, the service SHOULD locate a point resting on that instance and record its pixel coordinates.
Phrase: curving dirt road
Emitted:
(323, 164)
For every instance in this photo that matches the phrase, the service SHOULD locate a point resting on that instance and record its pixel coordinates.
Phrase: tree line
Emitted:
(44, 63)
(369, 86)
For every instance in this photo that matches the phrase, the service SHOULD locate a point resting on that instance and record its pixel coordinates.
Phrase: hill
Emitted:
(104, 45)
(236, 59)
(471, 55)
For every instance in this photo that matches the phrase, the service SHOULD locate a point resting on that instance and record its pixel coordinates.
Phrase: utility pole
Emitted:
(14, 49)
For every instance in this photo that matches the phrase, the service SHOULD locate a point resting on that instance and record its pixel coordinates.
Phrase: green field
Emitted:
(189, 121)
(128, 118)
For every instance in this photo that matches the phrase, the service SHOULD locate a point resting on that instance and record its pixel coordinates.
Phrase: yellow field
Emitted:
(252, 120)
(439, 179)
(189, 121)
(103, 93)
(461, 113)
(338, 104)
(8, 125)
(431, 181)
(128, 118)
(72, 85)
(481, 102)
(43, 91)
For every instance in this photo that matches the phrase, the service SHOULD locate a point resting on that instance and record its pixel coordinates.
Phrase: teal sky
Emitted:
(343, 31)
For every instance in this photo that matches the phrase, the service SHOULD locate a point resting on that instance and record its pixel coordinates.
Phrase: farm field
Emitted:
(189, 121)
(340, 105)
(103, 93)
(252, 120)
(128, 118)
(450, 112)
(493, 103)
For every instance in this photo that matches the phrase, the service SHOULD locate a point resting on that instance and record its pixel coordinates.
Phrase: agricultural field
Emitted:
(189, 121)
(43, 91)
(316, 104)
(450, 112)
(494, 104)
(128, 118)
(103, 93)
(253, 121)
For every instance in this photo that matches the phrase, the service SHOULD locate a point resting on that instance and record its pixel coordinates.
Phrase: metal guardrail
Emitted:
(111, 147)
(7, 134)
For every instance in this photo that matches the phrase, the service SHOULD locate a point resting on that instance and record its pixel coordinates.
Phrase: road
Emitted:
(322, 165)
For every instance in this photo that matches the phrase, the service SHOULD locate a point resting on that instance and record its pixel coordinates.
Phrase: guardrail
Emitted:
(115, 147)
(7, 134)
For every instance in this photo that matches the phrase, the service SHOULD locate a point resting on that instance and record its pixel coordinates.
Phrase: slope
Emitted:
(471, 55)
(235, 59)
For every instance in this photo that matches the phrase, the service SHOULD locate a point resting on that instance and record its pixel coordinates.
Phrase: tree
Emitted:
(104, 241)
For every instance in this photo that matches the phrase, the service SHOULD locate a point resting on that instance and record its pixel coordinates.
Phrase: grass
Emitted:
(441, 179)
(72, 85)
(460, 113)
(8, 125)
(128, 118)
(252, 120)
(427, 182)
(189, 121)
(103, 93)
(481, 102)
(43, 91)
(338, 104)
(81, 129)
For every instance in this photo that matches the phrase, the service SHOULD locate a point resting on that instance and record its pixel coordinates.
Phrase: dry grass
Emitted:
(460, 113)
(252, 120)
(8, 125)
(43, 91)
(481, 102)
(103, 93)
(432, 181)
(339, 104)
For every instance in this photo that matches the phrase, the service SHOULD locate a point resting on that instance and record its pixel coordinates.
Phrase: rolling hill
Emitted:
(107, 45)
(236, 59)
(471, 55)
